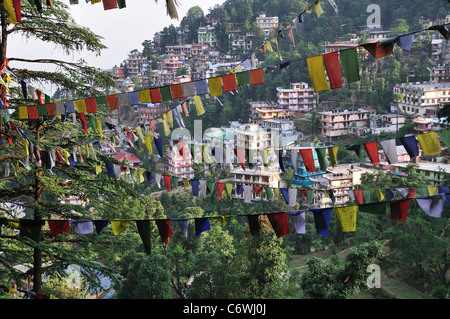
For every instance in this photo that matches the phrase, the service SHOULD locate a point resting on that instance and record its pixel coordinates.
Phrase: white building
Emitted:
(268, 24)
(298, 97)
(342, 122)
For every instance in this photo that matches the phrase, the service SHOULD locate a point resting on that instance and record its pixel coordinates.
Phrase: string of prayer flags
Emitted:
(322, 219)
(279, 223)
(399, 209)
(372, 151)
(308, 159)
(333, 69)
(164, 229)
(350, 65)
(346, 216)
(374, 208)
(429, 143)
(410, 144)
(317, 73)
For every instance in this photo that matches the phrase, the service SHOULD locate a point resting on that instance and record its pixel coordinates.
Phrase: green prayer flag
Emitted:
(269, 193)
(356, 148)
(31, 229)
(121, 4)
(421, 191)
(143, 227)
(243, 78)
(165, 93)
(42, 109)
(367, 195)
(321, 156)
(101, 100)
(210, 186)
(350, 65)
(379, 208)
(445, 137)
(175, 181)
(310, 195)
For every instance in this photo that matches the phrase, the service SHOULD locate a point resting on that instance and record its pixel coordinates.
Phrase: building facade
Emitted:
(342, 122)
(268, 24)
(298, 97)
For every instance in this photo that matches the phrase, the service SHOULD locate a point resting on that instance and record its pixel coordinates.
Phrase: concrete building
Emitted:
(440, 73)
(422, 98)
(342, 122)
(207, 35)
(385, 123)
(432, 172)
(268, 24)
(136, 63)
(298, 97)
(180, 166)
(260, 111)
(285, 130)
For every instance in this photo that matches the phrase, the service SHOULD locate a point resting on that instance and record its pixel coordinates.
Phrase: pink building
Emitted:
(299, 97)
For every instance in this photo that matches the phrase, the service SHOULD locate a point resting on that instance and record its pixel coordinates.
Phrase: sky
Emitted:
(122, 30)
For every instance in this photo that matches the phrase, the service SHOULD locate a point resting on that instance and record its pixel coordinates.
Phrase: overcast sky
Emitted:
(122, 29)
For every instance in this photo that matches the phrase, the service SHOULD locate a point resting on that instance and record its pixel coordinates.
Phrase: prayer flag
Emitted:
(109, 4)
(317, 73)
(432, 205)
(194, 186)
(346, 216)
(298, 220)
(201, 225)
(112, 101)
(167, 181)
(165, 93)
(144, 230)
(358, 196)
(284, 192)
(99, 225)
(122, 99)
(202, 87)
(257, 76)
(332, 153)
(144, 96)
(372, 151)
(188, 89)
(155, 95)
(215, 86)
(220, 187)
(58, 226)
(294, 159)
(410, 144)
(390, 150)
(279, 223)
(253, 224)
(322, 219)
(164, 229)
(292, 196)
(378, 51)
(445, 137)
(280, 160)
(198, 105)
(433, 190)
(229, 82)
(321, 156)
(429, 143)
(308, 159)
(349, 61)
(379, 208)
(243, 78)
(32, 112)
(118, 226)
(405, 42)
(390, 194)
(399, 209)
(158, 143)
(177, 91)
(51, 109)
(333, 68)
(183, 223)
(30, 228)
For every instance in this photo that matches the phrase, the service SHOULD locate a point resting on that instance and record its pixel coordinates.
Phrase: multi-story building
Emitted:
(207, 35)
(148, 111)
(136, 63)
(440, 73)
(260, 111)
(422, 98)
(268, 24)
(298, 97)
(429, 124)
(180, 165)
(432, 172)
(342, 122)
(285, 129)
(301, 176)
(385, 123)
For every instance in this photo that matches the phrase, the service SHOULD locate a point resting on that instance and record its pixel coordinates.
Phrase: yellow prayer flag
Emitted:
(221, 219)
(347, 217)
(433, 190)
(27, 150)
(318, 8)
(206, 155)
(317, 73)
(165, 124)
(186, 183)
(14, 223)
(379, 194)
(332, 152)
(98, 168)
(229, 188)
(80, 106)
(23, 112)
(198, 105)
(99, 127)
(7, 4)
(215, 86)
(139, 175)
(429, 143)
(86, 149)
(95, 1)
(118, 226)
(276, 193)
(269, 46)
(144, 96)
(169, 116)
(148, 143)
(66, 156)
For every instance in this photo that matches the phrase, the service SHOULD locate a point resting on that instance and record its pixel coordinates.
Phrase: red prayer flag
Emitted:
(240, 157)
(155, 95)
(184, 106)
(91, 105)
(112, 101)
(167, 181)
(32, 112)
(257, 76)
(51, 109)
(378, 51)
(58, 226)
(333, 68)
(177, 91)
(83, 121)
(399, 209)
(304, 194)
(308, 159)
(164, 229)
(412, 192)
(39, 94)
(372, 151)
(109, 4)
(220, 190)
(229, 82)
(17, 9)
(258, 189)
(279, 223)
(358, 196)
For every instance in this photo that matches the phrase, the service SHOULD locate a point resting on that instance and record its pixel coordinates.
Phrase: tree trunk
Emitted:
(37, 255)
